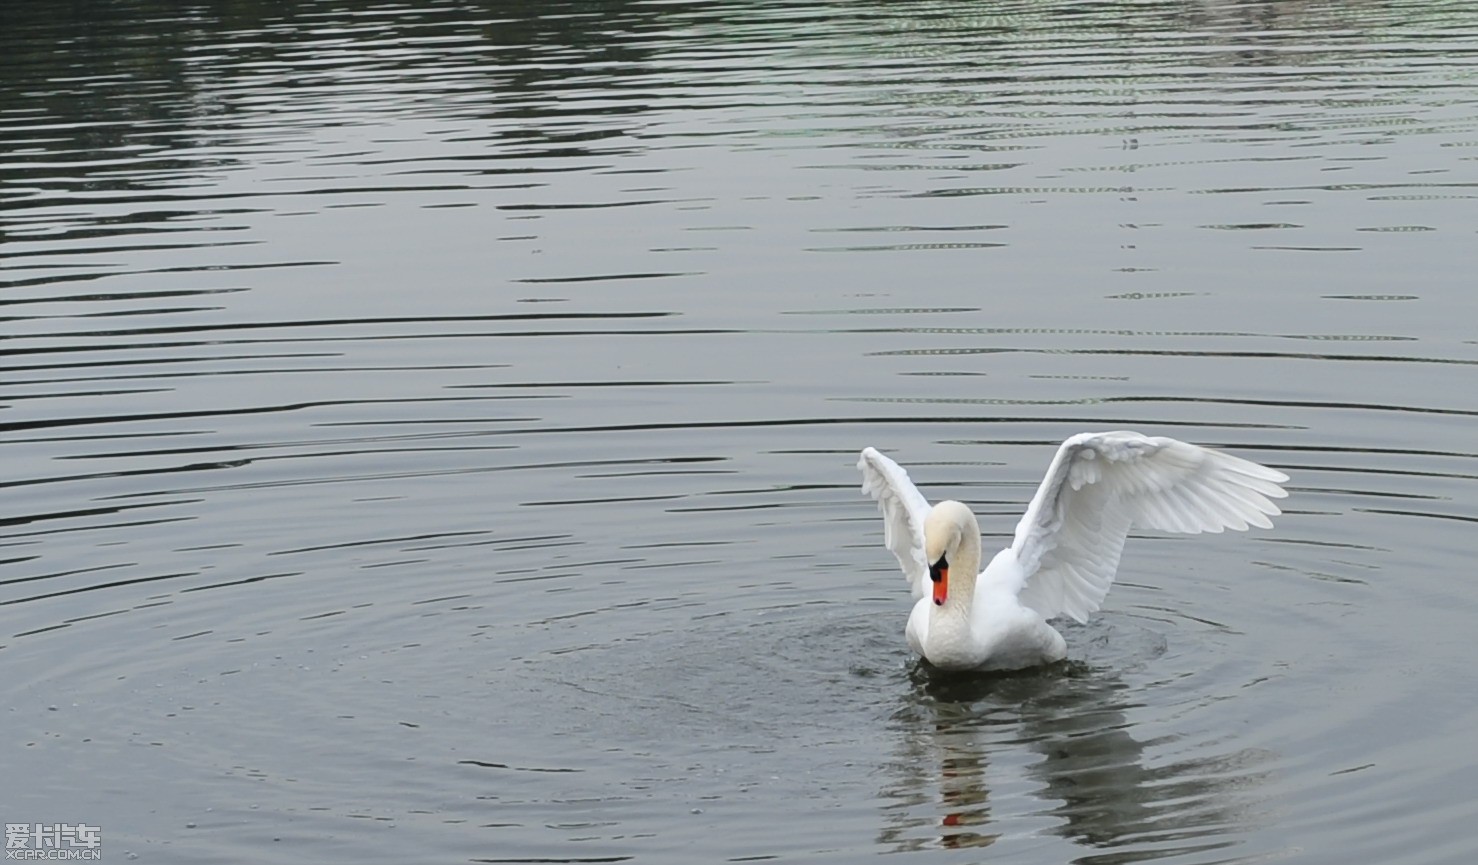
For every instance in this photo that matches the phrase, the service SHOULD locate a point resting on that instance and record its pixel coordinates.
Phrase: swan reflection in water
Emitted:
(1053, 743)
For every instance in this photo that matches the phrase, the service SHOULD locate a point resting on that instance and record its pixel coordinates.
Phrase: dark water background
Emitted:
(428, 428)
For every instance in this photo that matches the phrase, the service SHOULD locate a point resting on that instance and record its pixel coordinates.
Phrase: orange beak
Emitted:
(939, 573)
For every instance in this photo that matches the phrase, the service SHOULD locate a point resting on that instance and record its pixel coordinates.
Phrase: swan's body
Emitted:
(1066, 548)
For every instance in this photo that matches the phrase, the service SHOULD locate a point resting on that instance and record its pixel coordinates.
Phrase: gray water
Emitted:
(429, 428)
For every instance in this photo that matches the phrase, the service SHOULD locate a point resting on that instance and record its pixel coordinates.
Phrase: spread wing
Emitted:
(1100, 485)
(904, 509)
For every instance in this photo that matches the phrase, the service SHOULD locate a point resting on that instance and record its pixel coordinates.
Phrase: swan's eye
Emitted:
(938, 569)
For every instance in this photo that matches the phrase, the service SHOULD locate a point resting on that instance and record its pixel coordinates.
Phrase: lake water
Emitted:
(429, 428)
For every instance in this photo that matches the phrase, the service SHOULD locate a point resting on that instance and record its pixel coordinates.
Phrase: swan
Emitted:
(1066, 548)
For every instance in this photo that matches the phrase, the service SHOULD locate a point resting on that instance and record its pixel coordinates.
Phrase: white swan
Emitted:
(1067, 545)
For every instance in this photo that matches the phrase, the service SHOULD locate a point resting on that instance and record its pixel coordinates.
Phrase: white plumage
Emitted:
(1066, 549)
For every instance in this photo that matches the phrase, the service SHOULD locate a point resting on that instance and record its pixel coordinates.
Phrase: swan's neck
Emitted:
(963, 569)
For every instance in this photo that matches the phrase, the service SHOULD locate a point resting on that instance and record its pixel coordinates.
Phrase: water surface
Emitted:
(430, 428)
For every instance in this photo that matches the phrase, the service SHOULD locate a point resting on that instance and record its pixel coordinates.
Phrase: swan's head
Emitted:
(949, 526)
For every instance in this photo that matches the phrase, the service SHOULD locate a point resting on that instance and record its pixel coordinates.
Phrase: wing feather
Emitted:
(1101, 485)
(904, 509)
